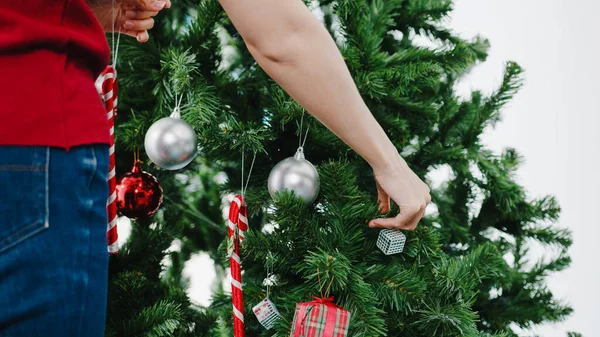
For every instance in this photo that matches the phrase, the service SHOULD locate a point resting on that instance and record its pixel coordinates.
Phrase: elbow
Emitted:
(287, 35)
(281, 47)
(277, 51)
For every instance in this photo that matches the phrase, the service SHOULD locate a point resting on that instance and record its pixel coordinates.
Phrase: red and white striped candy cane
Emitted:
(109, 90)
(238, 224)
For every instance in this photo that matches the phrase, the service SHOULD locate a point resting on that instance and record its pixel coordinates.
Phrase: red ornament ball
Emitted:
(139, 194)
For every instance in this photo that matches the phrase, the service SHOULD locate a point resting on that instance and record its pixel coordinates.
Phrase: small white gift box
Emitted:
(266, 313)
(391, 241)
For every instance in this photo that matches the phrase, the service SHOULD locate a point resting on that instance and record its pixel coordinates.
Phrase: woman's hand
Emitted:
(131, 17)
(398, 182)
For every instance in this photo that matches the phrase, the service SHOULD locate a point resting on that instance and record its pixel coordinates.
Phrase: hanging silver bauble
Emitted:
(295, 174)
(171, 143)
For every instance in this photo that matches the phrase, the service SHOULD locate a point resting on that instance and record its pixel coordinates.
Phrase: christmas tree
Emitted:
(465, 271)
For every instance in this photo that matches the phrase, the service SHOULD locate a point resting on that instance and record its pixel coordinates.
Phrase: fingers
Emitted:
(143, 36)
(146, 5)
(390, 223)
(384, 200)
(139, 25)
(138, 14)
(140, 36)
(404, 220)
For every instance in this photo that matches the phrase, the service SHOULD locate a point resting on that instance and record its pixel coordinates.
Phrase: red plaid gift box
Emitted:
(320, 318)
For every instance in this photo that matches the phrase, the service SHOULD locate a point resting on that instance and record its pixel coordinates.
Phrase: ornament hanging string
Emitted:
(177, 110)
(242, 180)
(115, 49)
(245, 187)
(136, 155)
(300, 142)
(269, 271)
(178, 98)
(321, 285)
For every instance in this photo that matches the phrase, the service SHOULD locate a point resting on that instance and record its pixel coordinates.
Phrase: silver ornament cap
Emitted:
(295, 174)
(171, 143)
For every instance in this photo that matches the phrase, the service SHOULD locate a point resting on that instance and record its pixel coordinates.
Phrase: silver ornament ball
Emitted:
(295, 174)
(171, 143)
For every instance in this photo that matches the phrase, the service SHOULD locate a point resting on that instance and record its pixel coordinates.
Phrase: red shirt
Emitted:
(51, 52)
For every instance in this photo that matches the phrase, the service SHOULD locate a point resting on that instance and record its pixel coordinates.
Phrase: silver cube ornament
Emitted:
(391, 241)
(266, 313)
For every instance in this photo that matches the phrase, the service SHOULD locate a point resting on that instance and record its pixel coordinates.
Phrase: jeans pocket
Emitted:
(24, 184)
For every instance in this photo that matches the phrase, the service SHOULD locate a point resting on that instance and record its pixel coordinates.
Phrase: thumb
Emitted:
(384, 200)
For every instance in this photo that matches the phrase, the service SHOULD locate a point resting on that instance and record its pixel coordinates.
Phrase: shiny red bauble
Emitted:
(139, 194)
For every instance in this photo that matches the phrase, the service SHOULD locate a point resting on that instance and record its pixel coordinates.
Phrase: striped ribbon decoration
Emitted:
(238, 224)
(108, 92)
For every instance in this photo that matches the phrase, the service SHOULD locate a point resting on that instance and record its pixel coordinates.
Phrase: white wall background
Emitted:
(553, 122)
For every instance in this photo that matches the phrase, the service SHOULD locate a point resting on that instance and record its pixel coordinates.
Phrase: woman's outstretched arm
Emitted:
(296, 50)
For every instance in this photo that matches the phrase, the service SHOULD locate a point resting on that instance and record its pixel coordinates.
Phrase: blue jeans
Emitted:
(53, 251)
